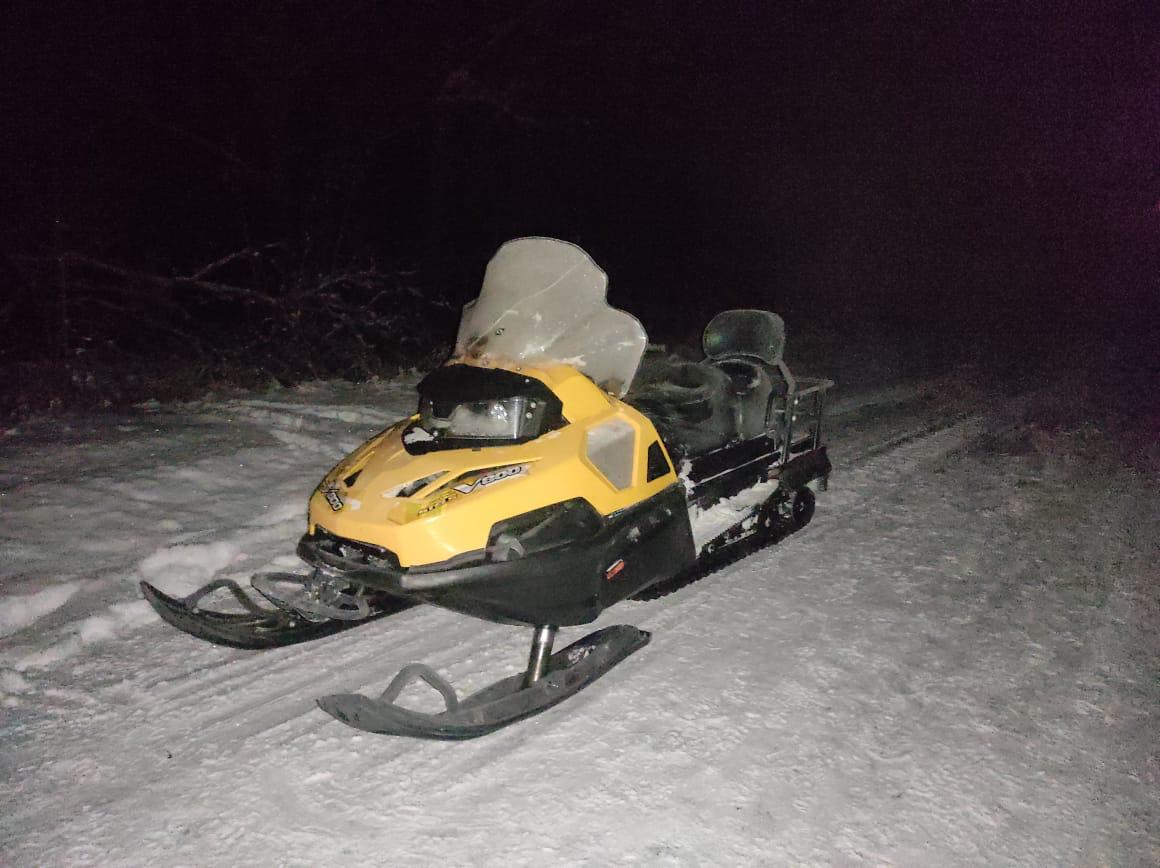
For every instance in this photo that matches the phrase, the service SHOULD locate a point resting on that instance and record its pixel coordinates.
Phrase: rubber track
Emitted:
(713, 563)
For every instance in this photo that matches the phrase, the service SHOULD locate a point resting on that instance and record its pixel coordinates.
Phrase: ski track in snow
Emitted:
(937, 671)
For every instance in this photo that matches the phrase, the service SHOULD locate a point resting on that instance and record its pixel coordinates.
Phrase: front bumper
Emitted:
(566, 585)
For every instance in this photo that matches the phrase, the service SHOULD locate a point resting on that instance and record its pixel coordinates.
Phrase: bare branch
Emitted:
(166, 282)
(246, 253)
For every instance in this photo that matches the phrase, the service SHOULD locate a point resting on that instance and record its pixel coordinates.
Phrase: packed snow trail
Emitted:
(955, 663)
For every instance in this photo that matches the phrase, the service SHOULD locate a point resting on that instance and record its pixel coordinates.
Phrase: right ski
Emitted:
(550, 679)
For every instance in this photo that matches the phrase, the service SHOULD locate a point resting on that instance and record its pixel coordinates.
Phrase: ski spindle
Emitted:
(543, 638)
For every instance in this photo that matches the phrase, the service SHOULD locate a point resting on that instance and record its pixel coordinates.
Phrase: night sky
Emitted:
(954, 167)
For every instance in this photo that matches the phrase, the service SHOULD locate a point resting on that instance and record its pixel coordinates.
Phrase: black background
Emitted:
(959, 169)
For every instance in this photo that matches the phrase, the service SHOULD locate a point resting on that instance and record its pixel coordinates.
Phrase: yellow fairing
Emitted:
(601, 454)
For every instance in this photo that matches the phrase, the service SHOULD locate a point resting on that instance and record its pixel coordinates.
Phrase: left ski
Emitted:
(503, 703)
(256, 628)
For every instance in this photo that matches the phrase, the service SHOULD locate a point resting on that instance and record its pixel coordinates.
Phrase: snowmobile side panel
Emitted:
(501, 704)
(252, 630)
(755, 461)
(759, 450)
(715, 476)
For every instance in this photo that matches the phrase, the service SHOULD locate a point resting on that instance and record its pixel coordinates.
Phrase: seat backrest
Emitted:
(754, 334)
(752, 387)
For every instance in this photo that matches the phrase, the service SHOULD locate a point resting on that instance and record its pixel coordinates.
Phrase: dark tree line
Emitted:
(283, 189)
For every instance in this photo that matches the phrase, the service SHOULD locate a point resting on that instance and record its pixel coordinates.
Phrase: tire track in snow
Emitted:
(211, 723)
(238, 695)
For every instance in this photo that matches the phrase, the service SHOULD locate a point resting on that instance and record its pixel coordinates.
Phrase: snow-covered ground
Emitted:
(956, 663)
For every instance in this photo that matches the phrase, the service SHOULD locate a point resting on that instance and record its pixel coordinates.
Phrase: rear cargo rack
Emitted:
(805, 404)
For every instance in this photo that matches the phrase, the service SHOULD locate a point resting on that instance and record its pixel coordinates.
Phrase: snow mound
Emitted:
(17, 612)
(183, 569)
(113, 623)
(12, 681)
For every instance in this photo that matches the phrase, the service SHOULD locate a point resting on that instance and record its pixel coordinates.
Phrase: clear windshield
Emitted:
(544, 301)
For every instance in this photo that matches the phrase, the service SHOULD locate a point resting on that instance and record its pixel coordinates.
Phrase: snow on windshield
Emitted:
(544, 301)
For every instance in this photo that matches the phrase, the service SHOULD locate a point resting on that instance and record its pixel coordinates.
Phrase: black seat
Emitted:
(751, 387)
(735, 394)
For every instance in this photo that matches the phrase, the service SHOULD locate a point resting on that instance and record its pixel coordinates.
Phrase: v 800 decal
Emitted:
(492, 478)
(333, 497)
(465, 488)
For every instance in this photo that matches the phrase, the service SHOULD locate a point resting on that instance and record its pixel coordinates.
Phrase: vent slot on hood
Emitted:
(411, 488)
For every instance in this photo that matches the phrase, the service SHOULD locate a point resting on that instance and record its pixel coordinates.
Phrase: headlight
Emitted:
(542, 529)
(493, 419)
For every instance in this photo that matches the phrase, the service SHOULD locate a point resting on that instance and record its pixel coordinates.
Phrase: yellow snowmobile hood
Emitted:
(426, 508)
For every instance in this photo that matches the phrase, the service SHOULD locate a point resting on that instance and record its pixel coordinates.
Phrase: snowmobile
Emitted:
(547, 475)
